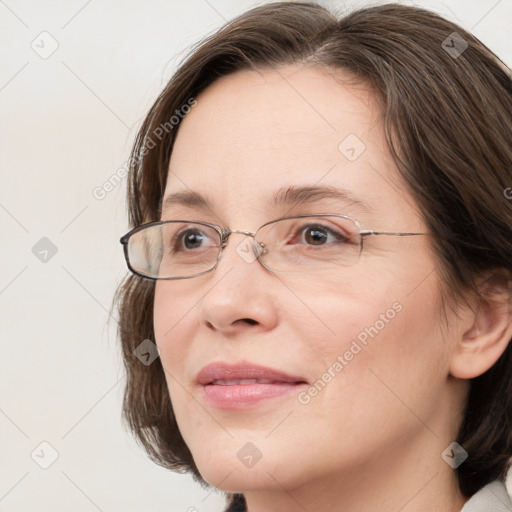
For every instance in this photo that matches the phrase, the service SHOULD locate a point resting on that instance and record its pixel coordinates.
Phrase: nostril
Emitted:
(248, 320)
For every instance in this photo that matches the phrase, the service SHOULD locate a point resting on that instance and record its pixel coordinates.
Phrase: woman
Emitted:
(322, 253)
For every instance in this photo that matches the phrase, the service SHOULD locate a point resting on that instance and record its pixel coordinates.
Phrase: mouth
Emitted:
(241, 386)
(243, 382)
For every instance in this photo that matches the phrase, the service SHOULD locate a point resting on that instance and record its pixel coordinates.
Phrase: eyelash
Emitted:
(339, 237)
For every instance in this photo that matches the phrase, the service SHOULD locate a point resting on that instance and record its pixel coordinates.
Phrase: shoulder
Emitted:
(491, 498)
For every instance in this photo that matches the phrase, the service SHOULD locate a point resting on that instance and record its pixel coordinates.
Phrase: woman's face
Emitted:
(368, 335)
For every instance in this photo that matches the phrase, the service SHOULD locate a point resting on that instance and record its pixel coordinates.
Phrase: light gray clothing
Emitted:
(491, 498)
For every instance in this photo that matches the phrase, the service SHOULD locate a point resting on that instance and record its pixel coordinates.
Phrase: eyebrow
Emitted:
(285, 197)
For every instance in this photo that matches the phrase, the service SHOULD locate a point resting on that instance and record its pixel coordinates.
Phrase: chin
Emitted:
(234, 479)
(241, 468)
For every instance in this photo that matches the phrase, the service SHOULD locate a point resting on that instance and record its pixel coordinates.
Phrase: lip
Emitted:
(220, 387)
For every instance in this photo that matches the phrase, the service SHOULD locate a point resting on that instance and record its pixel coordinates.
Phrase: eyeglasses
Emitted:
(181, 249)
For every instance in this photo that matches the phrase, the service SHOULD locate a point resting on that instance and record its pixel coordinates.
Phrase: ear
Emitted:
(488, 327)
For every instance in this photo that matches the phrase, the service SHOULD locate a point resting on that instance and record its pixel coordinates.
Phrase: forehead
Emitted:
(255, 132)
(296, 112)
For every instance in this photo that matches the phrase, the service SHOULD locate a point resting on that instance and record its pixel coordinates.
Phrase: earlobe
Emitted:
(490, 332)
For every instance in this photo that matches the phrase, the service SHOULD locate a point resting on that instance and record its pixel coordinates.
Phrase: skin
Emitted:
(372, 438)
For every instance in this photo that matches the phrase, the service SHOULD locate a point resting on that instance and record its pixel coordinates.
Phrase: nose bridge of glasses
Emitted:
(226, 235)
(259, 247)
(248, 233)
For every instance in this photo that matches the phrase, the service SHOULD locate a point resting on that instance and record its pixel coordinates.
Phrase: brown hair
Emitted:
(447, 108)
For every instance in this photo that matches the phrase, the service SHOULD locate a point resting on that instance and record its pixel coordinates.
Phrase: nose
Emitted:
(244, 293)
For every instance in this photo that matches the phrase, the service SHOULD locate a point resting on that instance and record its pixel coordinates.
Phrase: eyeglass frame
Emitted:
(224, 235)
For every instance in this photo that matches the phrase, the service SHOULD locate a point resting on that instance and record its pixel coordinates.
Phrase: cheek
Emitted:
(172, 311)
(368, 347)
(174, 327)
(385, 360)
(174, 333)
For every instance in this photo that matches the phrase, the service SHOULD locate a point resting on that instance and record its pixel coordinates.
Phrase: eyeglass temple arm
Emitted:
(366, 232)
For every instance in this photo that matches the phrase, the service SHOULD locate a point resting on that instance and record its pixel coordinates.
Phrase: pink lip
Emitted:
(229, 395)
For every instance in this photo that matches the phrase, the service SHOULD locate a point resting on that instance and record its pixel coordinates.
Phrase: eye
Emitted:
(318, 234)
(191, 239)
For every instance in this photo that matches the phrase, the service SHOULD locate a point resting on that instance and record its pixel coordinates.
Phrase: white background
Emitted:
(67, 125)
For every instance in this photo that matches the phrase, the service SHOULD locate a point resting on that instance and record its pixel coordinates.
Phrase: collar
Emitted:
(491, 498)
